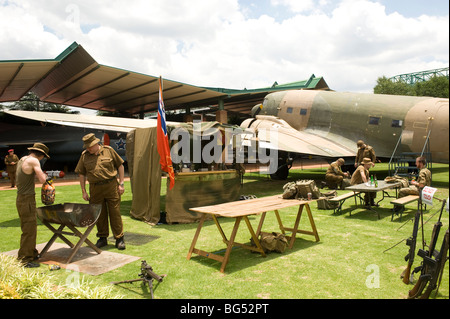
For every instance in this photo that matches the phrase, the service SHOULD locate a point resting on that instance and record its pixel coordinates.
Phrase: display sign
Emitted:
(427, 195)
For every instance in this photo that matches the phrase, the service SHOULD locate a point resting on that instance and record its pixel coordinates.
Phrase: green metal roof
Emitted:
(74, 78)
(313, 83)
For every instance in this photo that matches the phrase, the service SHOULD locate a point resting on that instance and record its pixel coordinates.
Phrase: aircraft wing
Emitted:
(275, 133)
(86, 121)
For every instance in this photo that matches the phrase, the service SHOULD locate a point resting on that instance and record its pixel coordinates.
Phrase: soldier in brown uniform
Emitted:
(99, 165)
(424, 179)
(364, 151)
(11, 165)
(27, 168)
(361, 175)
(335, 177)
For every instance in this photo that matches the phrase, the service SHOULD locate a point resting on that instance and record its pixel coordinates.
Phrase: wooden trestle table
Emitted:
(240, 210)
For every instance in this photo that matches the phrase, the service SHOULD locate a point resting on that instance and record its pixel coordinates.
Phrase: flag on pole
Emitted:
(163, 140)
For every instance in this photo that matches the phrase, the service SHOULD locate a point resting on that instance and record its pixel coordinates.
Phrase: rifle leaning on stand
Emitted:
(432, 260)
(411, 242)
(438, 270)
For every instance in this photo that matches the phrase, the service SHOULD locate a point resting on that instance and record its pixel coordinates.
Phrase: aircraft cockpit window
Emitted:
(303, 111)
(397, 123)
(373, 120)
(289, 110)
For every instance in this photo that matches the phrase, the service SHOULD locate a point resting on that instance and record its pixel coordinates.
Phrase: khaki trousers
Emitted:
(107, 195)
(12, 174)
(411, 190)
(26, 207)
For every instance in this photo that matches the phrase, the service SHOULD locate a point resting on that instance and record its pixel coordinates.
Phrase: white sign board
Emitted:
(427, 195)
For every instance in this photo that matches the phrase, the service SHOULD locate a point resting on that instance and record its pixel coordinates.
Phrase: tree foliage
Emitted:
(437, 86)
(30, 102)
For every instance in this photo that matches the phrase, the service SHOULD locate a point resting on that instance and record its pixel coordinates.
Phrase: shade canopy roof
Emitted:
(74, 78)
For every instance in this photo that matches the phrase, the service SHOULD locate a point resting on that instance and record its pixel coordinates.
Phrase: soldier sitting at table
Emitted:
(423, 179)
(361, 175)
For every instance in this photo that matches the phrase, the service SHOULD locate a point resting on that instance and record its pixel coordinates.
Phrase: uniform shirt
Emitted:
(10, 159)
(356, 177)
(424, 177)
(101, 167)
(334, 169)
(25, 182)
(367, 152)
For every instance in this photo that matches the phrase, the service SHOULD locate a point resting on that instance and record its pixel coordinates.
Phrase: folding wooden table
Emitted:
(240, 210)
(367, 188)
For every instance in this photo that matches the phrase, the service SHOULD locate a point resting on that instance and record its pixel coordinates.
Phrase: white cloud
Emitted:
(213, 43)
(295, 5)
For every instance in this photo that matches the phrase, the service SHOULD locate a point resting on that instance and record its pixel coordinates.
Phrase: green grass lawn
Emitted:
(343, 264)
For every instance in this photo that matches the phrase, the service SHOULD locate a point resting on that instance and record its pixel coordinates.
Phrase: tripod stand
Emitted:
(147, 276)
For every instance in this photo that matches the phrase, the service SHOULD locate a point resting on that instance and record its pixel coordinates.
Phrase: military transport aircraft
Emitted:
(328, 124)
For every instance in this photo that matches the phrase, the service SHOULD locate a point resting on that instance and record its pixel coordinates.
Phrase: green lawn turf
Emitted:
(342, 265)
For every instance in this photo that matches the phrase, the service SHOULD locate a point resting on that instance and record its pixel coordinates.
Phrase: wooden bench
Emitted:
(341, 199)
(401, 203)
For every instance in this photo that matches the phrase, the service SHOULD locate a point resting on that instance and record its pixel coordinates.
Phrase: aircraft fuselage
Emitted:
(382, 121)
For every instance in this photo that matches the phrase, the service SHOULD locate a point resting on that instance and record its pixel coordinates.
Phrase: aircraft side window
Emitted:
(397, 123)
(289, 110)
(303, 111)
(373, 120)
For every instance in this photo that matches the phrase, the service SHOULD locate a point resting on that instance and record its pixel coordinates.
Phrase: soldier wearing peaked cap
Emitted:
(11, 165)
(28, 168)
(100, 165)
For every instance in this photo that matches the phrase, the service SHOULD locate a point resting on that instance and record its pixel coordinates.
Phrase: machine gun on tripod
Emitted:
(147, 276)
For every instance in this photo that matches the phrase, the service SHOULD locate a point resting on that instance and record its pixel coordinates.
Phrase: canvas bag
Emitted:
(273, 242)
(300, 189)
(324, 202)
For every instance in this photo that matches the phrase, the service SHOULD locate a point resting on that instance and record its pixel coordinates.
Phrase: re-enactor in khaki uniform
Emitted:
(361, 175)
(99, 165)
(11, 161)
(364, 151)
(27, 168)
(335, 177)
(424, 179)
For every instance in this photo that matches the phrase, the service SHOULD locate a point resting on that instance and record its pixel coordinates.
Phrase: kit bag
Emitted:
(396, 178)
(273, 242)
(324, 201)
(300, 189)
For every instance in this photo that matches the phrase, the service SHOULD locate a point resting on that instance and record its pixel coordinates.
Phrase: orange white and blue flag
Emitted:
(163, 139)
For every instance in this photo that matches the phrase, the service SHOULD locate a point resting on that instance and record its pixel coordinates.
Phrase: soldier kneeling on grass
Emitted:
(335, 177)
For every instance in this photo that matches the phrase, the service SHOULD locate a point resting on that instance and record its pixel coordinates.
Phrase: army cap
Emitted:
(41, 148)
(90, 140)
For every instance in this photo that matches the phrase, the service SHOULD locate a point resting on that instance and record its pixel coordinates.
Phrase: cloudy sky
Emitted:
(237, 43)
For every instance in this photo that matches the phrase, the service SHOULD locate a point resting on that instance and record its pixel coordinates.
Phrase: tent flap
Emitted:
(145, 174)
